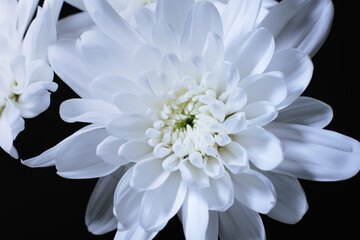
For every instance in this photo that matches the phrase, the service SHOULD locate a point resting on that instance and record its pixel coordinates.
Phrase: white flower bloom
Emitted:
(25, 76)
(197, 114)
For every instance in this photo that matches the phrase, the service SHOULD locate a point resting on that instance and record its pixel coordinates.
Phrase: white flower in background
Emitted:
(197, 114)
(25, 75)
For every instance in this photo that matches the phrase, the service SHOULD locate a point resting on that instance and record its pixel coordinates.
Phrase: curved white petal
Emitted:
(83, 149)
(239, 222)
(71, 70)
(11, 124)
(252, 53)
(234, 157)
(174, 13)
(128, 102)
(129, 126)
(87, 110)
(259, 113)
(291, 204)
(264, 148)
(99, 217)
(212, 231)
(110, 22)
(108, 150)
(106, 87)
(306, 111)
(300, 24)
(155, 211)
(202, 19)
(219, 196)
(39, 36)
(127, 203)
(254, 190)
(297, 69)
(233, 17)
(148, 175)
(134, 233)
(269, 87)
(103, 55)
(316, 154)
(71, 27)
(194, 215)
(48, 158)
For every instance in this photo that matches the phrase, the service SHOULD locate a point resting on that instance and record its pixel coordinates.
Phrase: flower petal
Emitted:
(87, 110)
(264, 148)
(83, 149)
(99, 217)
(234, 157)
(297, 69)
(202, 19)
(252, 53)
(110, 22)
(129, 126)
(173, 12)
(306, 111)
(259, 113)
(270, 87)
(194, 215)
(106, 87)
(73, 26)
(71, 70)
(148, 175)
(303, 25)
(11, 124)
(219, 196)
(291, 204)
(134, 233)
(239, 222)
(127, 203)
(316, 154)
(155, 211)
(128, 102)
(233, 19)
(103, 55)
(48, 158)
(254, 190)
(108, 149)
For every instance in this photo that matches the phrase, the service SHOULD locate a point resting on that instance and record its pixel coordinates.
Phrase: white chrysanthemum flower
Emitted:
(25, 75)
(197, 114)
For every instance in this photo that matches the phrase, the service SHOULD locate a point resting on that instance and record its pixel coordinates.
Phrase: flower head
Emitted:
(195, 113)
(25, 76)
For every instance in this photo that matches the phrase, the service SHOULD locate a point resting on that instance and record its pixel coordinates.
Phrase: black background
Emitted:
(39, 204)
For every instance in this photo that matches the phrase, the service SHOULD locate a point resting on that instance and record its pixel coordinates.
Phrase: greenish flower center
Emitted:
(181, 124)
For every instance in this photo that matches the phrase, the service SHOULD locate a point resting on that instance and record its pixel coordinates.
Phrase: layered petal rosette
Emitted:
(26, 79)
(197, 113)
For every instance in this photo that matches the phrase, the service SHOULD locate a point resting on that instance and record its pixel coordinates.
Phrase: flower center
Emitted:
(182, 124)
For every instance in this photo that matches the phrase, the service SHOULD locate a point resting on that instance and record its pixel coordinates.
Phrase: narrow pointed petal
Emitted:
(134, 233)
(194, 215)
(48, 158)
(73, 26)
(108, 149)
(87, 164)
(316, 154)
